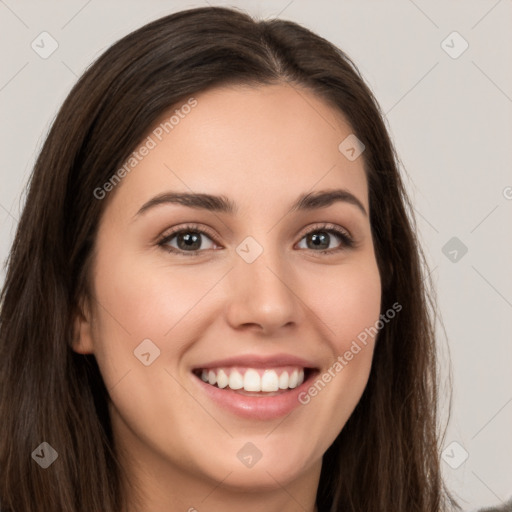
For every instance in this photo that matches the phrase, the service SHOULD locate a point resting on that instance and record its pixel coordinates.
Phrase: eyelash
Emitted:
(347, 242)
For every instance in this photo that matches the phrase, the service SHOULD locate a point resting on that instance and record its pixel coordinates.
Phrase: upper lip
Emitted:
(258, 361)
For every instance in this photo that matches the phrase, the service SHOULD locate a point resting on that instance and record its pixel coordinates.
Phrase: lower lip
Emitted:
(255, 407)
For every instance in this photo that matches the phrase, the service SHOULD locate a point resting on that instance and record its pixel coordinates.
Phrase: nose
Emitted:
(263, 295)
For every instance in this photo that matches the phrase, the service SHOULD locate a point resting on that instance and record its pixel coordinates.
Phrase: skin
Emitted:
(261, 147)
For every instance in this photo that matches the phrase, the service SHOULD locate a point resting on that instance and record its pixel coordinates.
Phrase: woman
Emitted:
(215, 296)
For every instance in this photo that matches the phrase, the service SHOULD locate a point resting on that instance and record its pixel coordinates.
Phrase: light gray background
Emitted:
(451, 121)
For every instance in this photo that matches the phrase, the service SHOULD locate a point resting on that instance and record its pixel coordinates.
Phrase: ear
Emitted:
(82, 342)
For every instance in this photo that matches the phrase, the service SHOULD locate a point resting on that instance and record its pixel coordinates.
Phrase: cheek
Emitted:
(147, 300)
(347, 300)
(137, 301)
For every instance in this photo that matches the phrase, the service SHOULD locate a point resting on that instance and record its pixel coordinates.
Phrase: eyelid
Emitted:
(325, 226)
(202, 229)
(347, 240)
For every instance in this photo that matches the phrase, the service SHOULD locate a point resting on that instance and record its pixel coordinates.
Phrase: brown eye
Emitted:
(188, 240)
(323, 240)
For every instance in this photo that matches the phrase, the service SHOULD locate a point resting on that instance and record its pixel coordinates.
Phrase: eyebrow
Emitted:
(222, 204)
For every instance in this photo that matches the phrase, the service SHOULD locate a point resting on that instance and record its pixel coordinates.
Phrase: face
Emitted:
(262, 294)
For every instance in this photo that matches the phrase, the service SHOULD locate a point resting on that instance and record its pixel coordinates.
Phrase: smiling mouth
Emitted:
(255, 381)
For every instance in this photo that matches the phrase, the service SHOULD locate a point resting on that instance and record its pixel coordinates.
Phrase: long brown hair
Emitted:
(387, 455)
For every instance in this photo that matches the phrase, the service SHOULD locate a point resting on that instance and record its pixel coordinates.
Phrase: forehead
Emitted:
(254, 144)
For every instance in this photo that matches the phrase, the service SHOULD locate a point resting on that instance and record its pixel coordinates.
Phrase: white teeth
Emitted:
(294, 377)
(269, 381)
(252, 381)
(222, 379)
(236, 381)
(283, 380)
